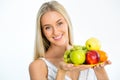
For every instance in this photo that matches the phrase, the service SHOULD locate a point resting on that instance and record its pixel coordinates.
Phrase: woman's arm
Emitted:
(101, 74)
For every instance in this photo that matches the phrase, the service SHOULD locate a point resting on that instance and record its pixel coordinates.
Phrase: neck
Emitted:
(55, 51)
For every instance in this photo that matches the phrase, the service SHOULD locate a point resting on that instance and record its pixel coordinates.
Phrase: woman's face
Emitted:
(55, 28)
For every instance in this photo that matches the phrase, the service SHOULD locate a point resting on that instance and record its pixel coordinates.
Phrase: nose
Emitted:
(55, 31)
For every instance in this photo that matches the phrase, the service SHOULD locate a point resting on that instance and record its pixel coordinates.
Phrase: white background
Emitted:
(90, 18)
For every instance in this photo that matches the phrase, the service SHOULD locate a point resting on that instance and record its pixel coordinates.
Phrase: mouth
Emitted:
(58, 37)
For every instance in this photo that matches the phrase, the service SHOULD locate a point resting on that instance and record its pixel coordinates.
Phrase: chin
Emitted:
(61, 43)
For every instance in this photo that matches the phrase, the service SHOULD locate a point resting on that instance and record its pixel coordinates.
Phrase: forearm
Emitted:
(60, 74)
(101, 74)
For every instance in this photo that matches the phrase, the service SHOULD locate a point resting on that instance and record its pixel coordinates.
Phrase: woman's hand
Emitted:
(69, 67)
(101, 65)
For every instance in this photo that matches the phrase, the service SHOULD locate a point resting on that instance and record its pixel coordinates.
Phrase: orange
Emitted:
(103, 55)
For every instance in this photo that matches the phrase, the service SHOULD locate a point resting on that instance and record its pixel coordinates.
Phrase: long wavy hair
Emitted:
(41, 43)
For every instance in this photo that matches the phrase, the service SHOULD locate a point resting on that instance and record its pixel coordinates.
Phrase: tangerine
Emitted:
(103, 55)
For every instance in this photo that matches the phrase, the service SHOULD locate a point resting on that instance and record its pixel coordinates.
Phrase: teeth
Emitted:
(58, 37)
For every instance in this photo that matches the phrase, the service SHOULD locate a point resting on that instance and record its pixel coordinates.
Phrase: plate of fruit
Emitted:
(88, 54)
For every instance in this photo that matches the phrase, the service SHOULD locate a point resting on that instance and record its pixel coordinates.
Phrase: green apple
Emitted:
(93, 44)
(77, 56)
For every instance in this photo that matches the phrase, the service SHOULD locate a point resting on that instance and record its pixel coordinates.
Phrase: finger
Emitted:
(68, 67)
(101, 65)
(96, 66)
(108, 62)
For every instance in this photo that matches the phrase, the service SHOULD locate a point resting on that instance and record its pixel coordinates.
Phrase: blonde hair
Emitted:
(41, 43)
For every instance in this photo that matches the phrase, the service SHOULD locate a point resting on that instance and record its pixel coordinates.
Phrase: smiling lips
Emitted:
(58, 37)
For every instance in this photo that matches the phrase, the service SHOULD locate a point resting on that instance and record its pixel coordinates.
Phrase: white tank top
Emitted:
(84, 75)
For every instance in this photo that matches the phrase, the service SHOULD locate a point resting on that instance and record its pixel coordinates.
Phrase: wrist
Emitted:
(101, 74)
(60, 74)
(61, 71)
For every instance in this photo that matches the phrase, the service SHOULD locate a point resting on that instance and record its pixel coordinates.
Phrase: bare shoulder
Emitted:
(37, 62)
(38, 70)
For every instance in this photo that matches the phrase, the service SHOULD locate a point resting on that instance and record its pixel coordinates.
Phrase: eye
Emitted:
(47, 28)
(60, 23)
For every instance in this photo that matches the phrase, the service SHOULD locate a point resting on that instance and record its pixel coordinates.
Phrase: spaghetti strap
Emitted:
(52, 70)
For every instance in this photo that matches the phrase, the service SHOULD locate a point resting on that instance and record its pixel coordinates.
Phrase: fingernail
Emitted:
(70, 65)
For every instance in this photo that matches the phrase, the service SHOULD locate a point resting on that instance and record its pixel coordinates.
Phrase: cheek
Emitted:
(47, 34)
(66, 30)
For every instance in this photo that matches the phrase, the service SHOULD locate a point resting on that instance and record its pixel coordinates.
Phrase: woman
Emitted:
(53, 38)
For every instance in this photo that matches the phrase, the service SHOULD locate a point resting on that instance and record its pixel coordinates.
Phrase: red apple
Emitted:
(92, 57)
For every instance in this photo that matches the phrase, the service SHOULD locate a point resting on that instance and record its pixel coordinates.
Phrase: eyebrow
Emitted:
(56, 22)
